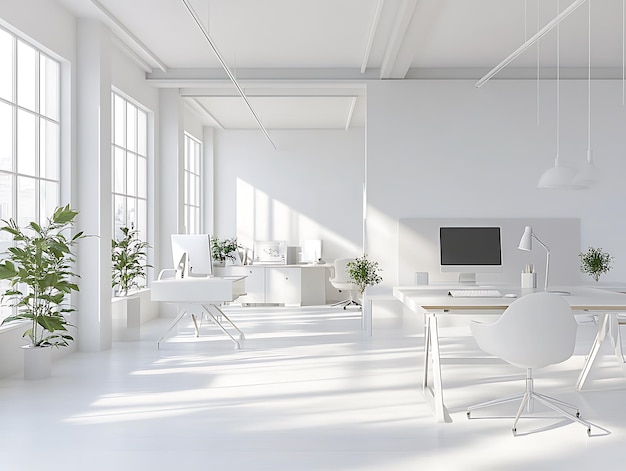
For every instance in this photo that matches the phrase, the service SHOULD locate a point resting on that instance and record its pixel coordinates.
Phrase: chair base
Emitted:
(527, 397)
(347, 302)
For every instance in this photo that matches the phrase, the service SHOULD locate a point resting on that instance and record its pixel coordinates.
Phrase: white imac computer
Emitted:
(470, 250)
(191, 254)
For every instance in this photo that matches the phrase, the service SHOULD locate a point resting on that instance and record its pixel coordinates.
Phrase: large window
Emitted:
(130, 166)
(192, 198)
(29, 135)
(29, 131)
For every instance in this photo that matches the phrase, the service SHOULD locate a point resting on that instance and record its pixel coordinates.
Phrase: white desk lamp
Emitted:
(526, 243)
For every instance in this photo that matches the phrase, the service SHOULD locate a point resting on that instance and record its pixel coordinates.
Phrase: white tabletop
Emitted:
(436, 298)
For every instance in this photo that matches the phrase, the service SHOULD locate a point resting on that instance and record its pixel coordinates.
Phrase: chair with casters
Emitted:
(341, 280)
(535, 331)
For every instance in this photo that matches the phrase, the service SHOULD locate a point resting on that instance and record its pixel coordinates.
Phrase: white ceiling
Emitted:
(304, 63)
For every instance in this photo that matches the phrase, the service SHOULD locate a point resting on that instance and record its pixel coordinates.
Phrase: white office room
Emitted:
(369, 235)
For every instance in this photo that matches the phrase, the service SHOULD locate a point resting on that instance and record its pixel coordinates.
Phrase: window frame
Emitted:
(192, 193)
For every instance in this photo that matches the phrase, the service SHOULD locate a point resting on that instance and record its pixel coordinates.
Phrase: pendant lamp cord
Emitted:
(589, 85)
(558, 86)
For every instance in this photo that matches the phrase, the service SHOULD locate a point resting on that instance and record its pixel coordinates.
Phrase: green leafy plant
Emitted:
(364, 273)
(128, 255)
(224, 248)
(40, 271)
(595, 262)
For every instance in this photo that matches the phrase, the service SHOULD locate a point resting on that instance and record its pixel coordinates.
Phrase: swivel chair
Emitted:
(341, 280)
(535, 331)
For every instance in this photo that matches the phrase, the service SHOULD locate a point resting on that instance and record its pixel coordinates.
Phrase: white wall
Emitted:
(310, 188)
(44, 22)
(447, 149)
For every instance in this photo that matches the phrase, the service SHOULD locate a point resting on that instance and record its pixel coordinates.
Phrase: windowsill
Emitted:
(13, 326)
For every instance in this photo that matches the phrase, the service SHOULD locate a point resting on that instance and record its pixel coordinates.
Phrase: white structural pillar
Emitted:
(93, 164)
(170, 174)
(209, 180)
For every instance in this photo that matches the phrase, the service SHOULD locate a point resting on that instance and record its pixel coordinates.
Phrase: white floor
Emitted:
(306, 392)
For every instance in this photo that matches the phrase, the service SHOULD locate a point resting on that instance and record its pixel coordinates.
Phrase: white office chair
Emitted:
(341, 280)
(535, 331)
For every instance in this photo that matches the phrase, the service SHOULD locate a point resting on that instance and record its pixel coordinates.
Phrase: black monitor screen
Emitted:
(477, 246)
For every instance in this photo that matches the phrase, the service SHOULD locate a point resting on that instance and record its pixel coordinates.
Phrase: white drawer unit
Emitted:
(289, 285)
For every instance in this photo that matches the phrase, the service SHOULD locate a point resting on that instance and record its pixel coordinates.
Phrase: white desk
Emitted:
(289, 285)
(200, 295)
(434, 302)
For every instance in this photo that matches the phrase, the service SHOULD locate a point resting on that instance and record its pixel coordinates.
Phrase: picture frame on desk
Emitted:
(270, 252)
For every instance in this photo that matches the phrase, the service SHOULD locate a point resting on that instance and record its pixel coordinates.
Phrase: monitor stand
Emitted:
(467, 279)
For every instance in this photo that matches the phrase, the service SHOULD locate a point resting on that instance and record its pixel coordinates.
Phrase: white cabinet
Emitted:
(283, 286)
(295, 285)
(255, 286)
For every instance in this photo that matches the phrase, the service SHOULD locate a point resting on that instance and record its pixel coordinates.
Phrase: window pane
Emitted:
(26, 139)
(119, 123)
(119, 166)
(119, 205)
(142, 218)
(6, 66)
(49, 150)
(26, 200)
(142, 178)
(131, 128)
(142, 133)
(131, 181)
(26, 77)
(131, 213)
(49, 87)
(49, 198)
(6, 197)
(6, 136)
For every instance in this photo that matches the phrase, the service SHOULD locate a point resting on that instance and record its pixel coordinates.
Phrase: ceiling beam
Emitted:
(372, 35)
(127, 37)
(400, 28)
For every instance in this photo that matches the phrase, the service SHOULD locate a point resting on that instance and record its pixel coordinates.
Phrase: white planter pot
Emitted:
(37, 362)
(126, 317)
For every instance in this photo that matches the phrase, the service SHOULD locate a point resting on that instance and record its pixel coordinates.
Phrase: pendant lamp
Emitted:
(588, 174)
(558, 177)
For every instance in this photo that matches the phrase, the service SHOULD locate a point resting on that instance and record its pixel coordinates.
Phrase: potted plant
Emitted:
(129, 256)
(40, 273)
(364, 273)
(595, 262)
(224, 249)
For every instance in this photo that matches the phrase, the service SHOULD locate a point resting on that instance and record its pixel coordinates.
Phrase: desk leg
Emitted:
(208, 308)
(181, 314)
(603, 325)
(432, 358)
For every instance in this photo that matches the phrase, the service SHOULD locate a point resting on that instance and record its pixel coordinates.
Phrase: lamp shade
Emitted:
(559, 177)
(526, 242)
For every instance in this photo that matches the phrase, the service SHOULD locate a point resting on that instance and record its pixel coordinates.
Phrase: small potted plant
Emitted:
(39, 269)
(364, 273)
(595, 262)
(224, 249)
(128, 255)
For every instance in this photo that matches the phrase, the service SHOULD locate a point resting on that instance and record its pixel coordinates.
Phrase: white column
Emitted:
(208, 184)
(93, 163)
(170, 174)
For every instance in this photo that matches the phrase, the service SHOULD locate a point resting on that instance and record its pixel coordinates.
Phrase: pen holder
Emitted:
(529, 280)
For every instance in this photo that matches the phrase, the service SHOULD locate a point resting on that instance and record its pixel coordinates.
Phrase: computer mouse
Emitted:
(510, 295)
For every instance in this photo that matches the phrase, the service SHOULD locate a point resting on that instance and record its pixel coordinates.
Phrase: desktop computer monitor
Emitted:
(194, 251)
(470, 250)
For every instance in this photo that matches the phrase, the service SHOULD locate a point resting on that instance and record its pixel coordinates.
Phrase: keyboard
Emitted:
(475, 293)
